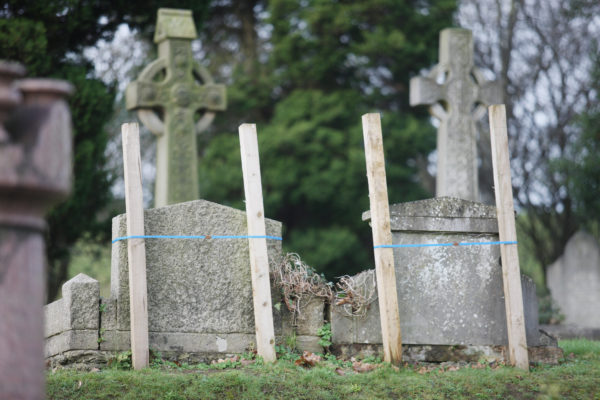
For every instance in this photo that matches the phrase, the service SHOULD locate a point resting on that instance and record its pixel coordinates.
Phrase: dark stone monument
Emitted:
(35, 173)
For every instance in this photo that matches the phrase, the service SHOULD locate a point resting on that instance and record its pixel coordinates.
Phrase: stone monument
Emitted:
(167, 96)
(35, 173)
(458, 101)
(200, 304)
(574, 281)
(450, 294)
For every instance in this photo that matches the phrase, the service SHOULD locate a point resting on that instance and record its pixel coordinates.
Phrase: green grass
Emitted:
(578, 377)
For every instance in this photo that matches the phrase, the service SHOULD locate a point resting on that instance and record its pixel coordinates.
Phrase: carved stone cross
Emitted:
(168, 95)
(458, 101)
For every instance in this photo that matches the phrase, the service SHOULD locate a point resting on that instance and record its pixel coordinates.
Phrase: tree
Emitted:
(48, 38)
(541, 50)
(305, 73)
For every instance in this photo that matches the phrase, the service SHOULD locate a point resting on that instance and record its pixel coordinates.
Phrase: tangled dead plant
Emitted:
(299, 282)
(356, 293)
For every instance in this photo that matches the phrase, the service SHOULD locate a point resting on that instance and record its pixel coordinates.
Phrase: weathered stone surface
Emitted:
(78, 309)
(458, 102)
(309, 320)
(455, 353)
(187, 88)
(84, 360)
(574, 281)
(452, 295)
(82, 295)
(442, 214)
(71, 340)
(196, 287)
(563, 331)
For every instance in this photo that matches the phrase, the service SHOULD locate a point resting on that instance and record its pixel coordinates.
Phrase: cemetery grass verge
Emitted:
(578, 376)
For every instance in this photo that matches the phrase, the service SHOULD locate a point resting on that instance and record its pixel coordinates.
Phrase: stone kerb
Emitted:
(448, 296)
(72, 323)
(199, 290)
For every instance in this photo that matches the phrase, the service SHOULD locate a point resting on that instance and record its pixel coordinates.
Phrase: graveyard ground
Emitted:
(576, 377)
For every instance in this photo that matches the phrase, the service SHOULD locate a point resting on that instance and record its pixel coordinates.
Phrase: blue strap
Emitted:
(194, 237)
(387, 246)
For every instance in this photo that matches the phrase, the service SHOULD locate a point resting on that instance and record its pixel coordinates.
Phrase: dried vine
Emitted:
(356, 293)
(298, 281)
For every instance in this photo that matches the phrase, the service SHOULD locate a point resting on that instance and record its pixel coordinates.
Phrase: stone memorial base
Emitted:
(199, 293)
(451, 298)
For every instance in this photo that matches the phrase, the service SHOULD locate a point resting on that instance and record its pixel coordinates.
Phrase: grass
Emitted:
(577, 377)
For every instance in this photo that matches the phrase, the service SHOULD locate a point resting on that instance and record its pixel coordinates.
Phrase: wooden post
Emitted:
(259, 261)
(136, 248)
(511, 274)
(382, 235)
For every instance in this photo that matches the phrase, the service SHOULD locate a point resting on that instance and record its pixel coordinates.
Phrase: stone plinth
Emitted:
(448, 296)
(574, 281)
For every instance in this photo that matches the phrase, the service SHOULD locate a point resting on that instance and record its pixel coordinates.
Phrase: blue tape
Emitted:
(195, 237)
(395, 246)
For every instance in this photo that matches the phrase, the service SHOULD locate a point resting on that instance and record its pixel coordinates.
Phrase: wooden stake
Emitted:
(511, 273)
(136, 248)
(259, 261)
(382, 235)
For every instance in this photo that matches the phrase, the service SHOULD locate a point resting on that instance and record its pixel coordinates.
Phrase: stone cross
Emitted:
(459, 100)
(168, 95)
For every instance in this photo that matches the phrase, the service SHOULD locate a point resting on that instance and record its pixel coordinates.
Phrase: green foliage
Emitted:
(329, 63)
(324, 334)
(121, 361)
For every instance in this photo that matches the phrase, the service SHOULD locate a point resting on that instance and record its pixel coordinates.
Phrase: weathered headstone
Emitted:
(199, 293)
(179, 87)
(458, 102)
(574, 281)
(35, 173)
(451, 297)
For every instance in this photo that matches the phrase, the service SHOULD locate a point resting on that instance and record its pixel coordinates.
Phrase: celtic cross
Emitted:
(168, 95)
(458, 101)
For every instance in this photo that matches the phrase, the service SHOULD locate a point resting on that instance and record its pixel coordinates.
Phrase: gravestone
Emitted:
(574, 281)
(199, 290)
(168, 95)
(451, 298)
(200, 304)
(458, 102)
(35, 173)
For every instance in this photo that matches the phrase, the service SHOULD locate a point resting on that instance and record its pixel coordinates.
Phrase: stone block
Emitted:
(55, 318)
(308, 321)
(71, 340)
(82, 298)
(195, 286)
(451, 295)
(78, 309)
(574, 281)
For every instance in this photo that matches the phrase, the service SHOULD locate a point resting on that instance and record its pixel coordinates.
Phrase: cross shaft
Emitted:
(458, 101)
(167, 95)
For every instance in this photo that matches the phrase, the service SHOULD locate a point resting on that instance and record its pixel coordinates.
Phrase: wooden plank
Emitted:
(382, 235)
(511, 273)
(259, 261)
(136, 248)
